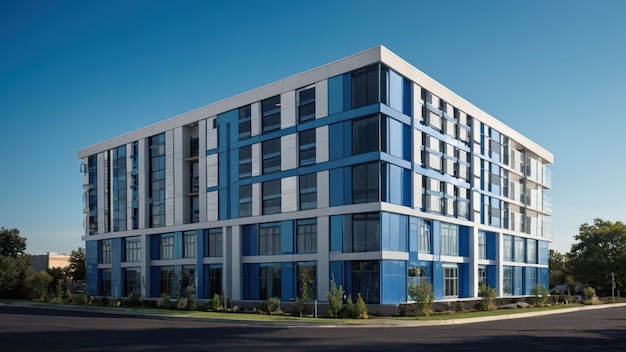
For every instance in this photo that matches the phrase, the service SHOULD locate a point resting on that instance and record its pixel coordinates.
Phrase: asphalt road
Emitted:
(42, 329)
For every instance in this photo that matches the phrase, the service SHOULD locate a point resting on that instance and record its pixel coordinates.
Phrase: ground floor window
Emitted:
(451, 281)
(507, 280)
(132, 281)
(105, 282)
(214, 281)
(269, 281)
(188, 280)
(482, 275)
(366, 280)
(166, 280)
(307, 280)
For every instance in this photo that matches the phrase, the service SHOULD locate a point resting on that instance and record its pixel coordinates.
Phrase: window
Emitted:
(132, 281)
(214, 243)
(366, 280)
(416, 275)
(269, 281)
(520, 253)
(365, 183)
(308, 191)
(425, 236)
(189, 278)
(157, 180)
(306, 104)
(365, 135)
(449, 239)
(450, 281)
(119, 188)
(270, 112)
(245, 118)
(482, 275)
(194, 209)
(214, 280)
(482, 245)
(245, 201)
(134, 185)
(306, 241)
(166, 280)
(245, 161)
(366, 232)
(306, 144)
(132, 248)
(189, 244)
(507, 280)
(92, 194)
(106, 251)
(167, 247)
(271, 156)
(365, 86)
(307, 280)
(105, 282)
(271, 197)
(507, 247)
(531, 251)
(269, 239)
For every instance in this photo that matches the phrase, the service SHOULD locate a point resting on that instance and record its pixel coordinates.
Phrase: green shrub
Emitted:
(79, 299)
(273, 305)
(215, 303)
(356, 309)
(460, 307)
(192, 304)
(423, 295)
(164, 302)
(134, 298)
(335, 298)
(487, 295)
(68, 296)
(182, 303)
(539, 295)
(589, 293)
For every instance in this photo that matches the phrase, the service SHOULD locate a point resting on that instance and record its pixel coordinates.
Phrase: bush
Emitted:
(356, 309)
(487, 295)
(273, 305)
(79, 299)
(191, 298)
(539, 295)
(589, 293)
(460, 307)
(335, 299)
(134, 298)
(164, 302)
(68, 296)
(215, 303)
(423, 295)
(182, 303)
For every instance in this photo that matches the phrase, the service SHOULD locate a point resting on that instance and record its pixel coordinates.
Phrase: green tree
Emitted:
(599, 251)
(557, 263)
(488, 296)
(76, 268)
(335, 298)
(11, 243)
(423, 295)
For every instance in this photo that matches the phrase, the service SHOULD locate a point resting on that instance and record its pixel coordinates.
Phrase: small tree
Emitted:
(356, 309)
(335, 298)
(539, 295)
(589, 293)
(487, 295)
(423, 295)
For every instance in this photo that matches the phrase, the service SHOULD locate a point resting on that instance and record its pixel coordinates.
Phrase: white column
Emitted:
(323, 258)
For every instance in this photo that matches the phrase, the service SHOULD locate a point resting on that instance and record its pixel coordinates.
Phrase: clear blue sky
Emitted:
(75, 73)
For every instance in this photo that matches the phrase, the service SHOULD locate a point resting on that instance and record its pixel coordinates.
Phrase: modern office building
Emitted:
(365, 171)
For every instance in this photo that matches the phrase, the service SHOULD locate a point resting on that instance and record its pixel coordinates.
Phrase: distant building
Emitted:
(364, 170)
(48, 261)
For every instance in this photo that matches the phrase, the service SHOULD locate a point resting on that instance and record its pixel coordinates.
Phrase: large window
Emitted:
(167, 247)
(166, 280)
(245, 201)
(245, 118)
(366, 280)
(365, 232)
(366, 135)
(271, 156)
(365, 183)
(308, 191)
(482, 245)
(132, 249)
(271, 197)
(269, 239)
(520, 253)
(188, 279)
(214, 282)
(306, 104)
(92, 194)
(120, 189)
(157, 180)
(105, 252)
(449, 239)
(531, 251)
(194, 209)
(306, 145)
(214, 243)
(451, 281)
(245, 161)
(105, 282)
(507, 247)
(189, 244)
(306, 241)
(507, 280)
(482, 275)
(132, 281)
(307, 279)
(269, 281)
(194, 177)
(365, 86)
(270, 112)
(425, 236)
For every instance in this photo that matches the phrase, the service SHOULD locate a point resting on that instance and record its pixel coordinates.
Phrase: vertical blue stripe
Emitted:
(286, 237)
(287, 286)
(335, 95)
(116, 267)
(347, 91)
(91, 267)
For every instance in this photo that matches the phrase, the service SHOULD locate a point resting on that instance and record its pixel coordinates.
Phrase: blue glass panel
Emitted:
(395, 184)
(543, 253)
(335, 141)
(464, 280)
(335, 95)
(464, 241)
(336, 273)
(287, 286)
(116, 269)
(436, 232)
(91, 267)
(491, 276)
(491, 246)
(394, 286)
(336, 187)
(396, 85)
(413, 241)
(438, 278)
(407, 97)
(518, 281)
(286, 237)
(336, 233)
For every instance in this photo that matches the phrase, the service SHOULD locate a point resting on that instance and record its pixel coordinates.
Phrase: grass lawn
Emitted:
(463, 315)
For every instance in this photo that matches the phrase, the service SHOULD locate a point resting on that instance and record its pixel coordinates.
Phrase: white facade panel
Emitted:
(256, 159)
(255, 119)
(179, 175)
(321, 144)
(288, 152)
(323, 190)
(256, 199)
(202, 165)
(321, 99)
(211, 170)
(211, 136)
(288, 109)
(212, 209)
(289, 195)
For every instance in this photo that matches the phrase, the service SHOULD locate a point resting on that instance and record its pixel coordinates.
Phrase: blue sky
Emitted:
(75, 73)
